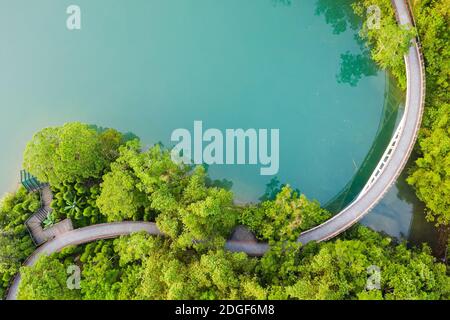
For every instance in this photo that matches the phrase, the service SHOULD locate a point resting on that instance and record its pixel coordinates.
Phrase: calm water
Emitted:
(149, 67)
(401, 215)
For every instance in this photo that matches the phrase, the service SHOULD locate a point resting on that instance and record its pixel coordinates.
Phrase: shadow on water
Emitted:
(284, 3)
(219, 183)
(273, 187)
(339, 14)
(354, 65)
(126, 136)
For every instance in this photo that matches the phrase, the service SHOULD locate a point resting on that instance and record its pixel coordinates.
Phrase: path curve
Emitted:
(384, 176)
(398, 151)
(109, 231)
(38, 234)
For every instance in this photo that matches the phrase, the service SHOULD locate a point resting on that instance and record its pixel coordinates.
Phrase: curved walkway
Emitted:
(398, 151)
(384, 176)
(34, 223)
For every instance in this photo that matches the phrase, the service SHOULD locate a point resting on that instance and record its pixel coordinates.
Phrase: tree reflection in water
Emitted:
(354, 65)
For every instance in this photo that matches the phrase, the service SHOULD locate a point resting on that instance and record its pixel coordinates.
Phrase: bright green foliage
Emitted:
(78, 202)
(433, 18)
(390, 41)
(15, 243)
(46, 280)
(141, 266)
(49, 221)
(72, 152)
(150, 186)
(10, 258)
(134, 177)
(153, 168)
(285, 217)
(39, 155)
(224, 275)
(145, 267)
(120, 197)
(99, 277)
(431, 177)
(110, 141)
(163, 276)
(340, 270)
(202, 213)
(150, 268)
(390, 47)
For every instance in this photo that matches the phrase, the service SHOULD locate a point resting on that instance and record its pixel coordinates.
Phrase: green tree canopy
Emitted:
(142, 266)
(15, 242)
(285, 217)
(72, 152)
(342, 268)
(203, 213)
(431, 174)
(389, 42)
(145, 267)
(404, 274)
(120, 197)
(149, 185)
(431, 177)
(46, 280)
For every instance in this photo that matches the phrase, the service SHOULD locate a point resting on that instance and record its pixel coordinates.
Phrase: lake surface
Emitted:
(149, 67)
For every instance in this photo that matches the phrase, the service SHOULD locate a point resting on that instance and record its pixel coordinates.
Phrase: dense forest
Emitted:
(124, 182)
(101, 175)
(145, 267)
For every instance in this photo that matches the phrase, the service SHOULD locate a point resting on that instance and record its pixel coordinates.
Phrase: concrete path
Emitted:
(80, 236)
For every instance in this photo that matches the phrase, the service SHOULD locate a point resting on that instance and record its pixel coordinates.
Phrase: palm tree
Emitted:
(72, 207)
(49, 221)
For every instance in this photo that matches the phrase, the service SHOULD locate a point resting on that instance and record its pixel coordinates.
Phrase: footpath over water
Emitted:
(387, 171)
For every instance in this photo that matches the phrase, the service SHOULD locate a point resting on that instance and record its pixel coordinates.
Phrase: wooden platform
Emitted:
(34, 223)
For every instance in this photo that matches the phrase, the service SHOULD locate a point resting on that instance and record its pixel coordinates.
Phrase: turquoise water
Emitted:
(150, 67)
